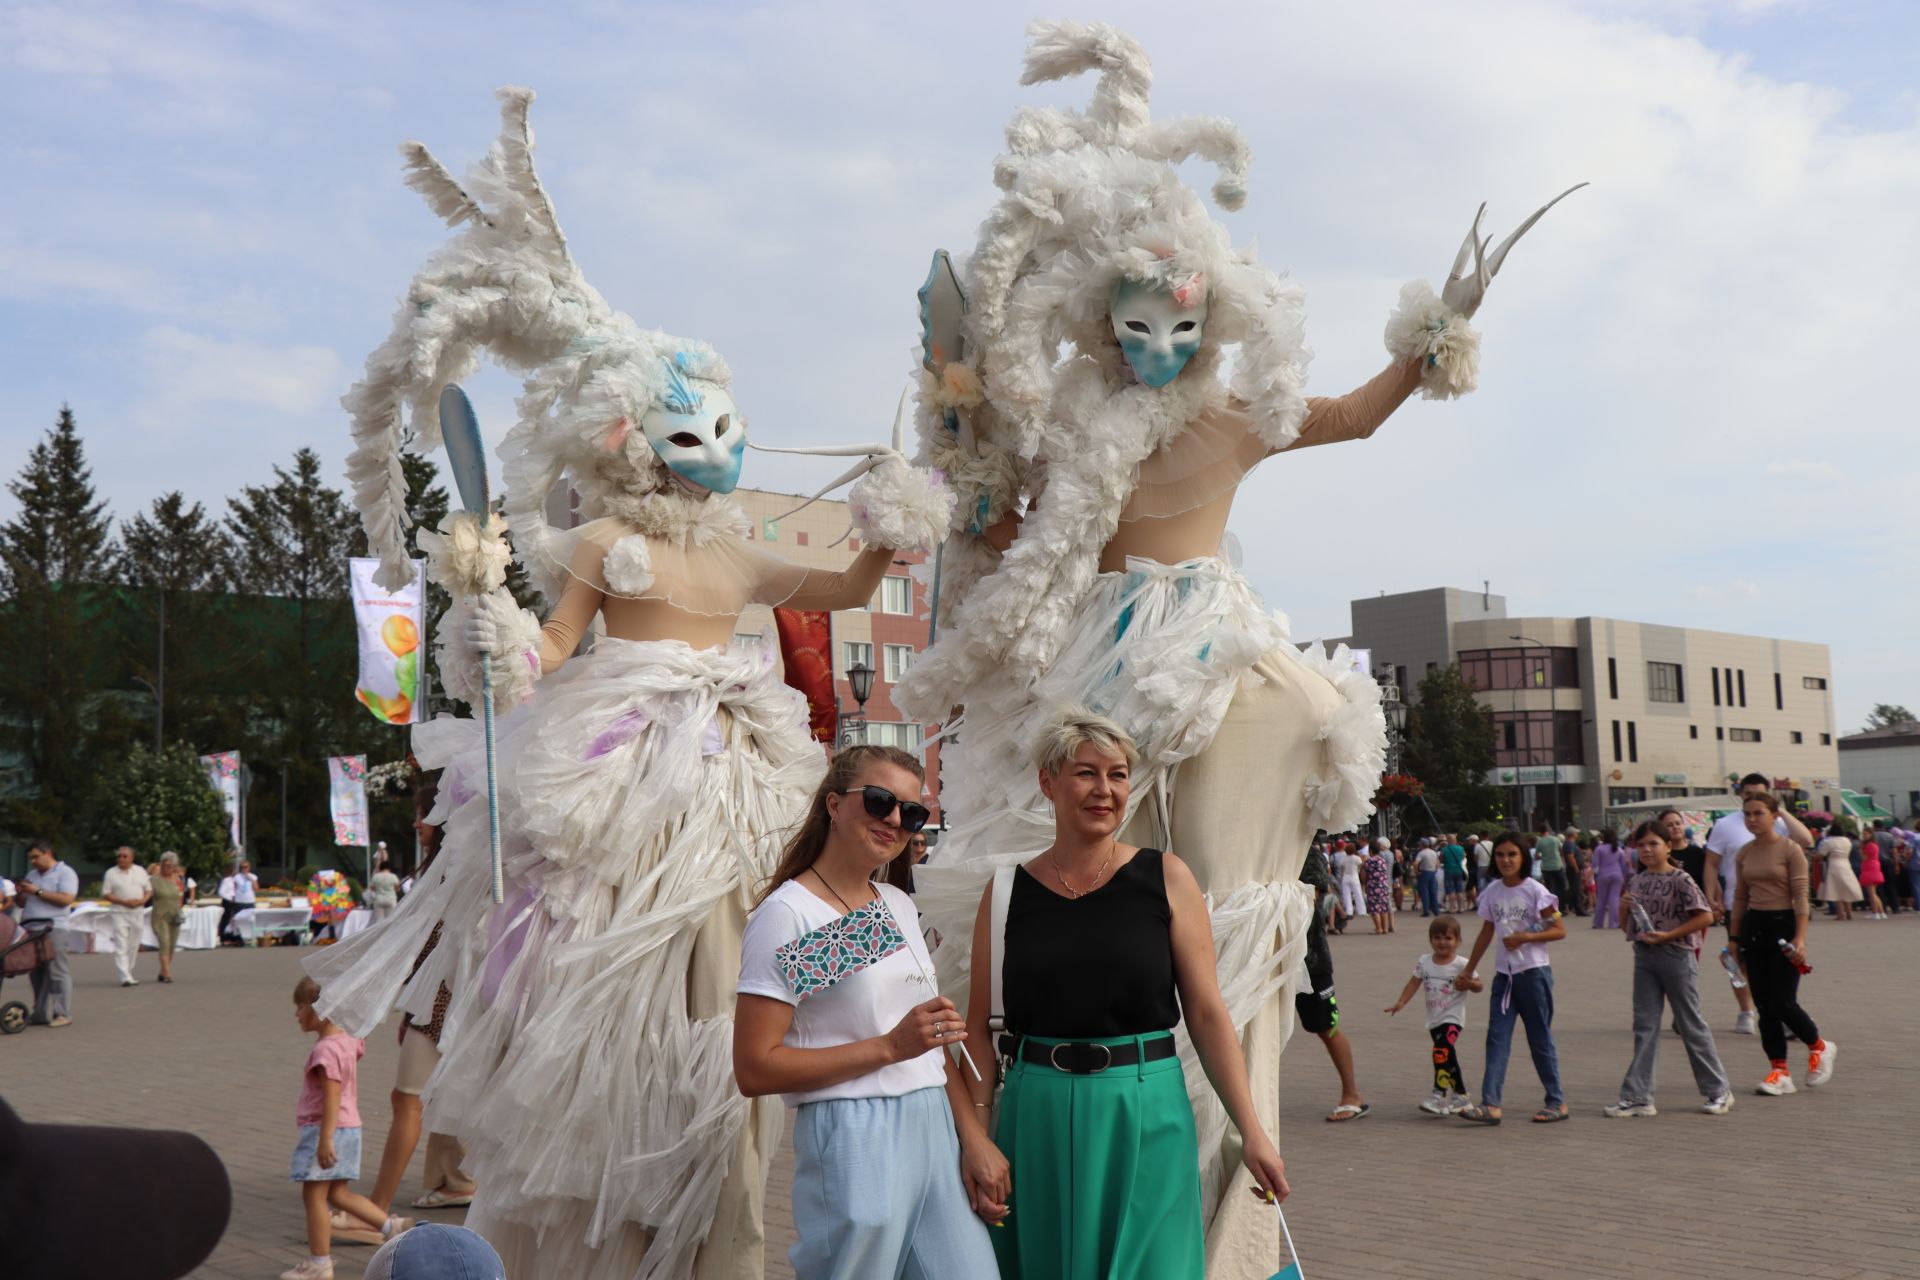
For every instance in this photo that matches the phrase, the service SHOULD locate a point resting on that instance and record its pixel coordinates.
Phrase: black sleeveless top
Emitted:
(1097, 965)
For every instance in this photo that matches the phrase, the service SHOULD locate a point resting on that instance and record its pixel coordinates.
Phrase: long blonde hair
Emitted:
(803, 850)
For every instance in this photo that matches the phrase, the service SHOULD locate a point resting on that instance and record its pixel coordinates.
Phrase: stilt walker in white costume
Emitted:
(644, 788)
(1111, 587)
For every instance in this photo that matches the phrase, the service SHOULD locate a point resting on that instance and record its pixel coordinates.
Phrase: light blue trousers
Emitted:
(877, 1193)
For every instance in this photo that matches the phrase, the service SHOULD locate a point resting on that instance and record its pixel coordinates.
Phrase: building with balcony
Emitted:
(1593, 712)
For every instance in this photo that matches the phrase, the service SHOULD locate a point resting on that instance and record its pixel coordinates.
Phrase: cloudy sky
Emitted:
(1694, 403)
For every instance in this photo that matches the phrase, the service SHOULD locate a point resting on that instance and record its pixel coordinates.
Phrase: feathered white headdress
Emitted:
(1093, 199)
(508, 286)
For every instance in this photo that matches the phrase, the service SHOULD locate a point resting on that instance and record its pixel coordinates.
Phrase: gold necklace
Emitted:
(1097, 876)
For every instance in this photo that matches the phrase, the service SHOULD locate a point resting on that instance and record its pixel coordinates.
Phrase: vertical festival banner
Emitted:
(391, 624)
(806, 649)
(347, 800)
(223, 775)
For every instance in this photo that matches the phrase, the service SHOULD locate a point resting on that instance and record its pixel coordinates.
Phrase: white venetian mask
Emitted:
(1159, 328)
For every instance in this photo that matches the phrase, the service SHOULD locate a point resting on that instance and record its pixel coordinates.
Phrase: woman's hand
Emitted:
(933, 1025)
(988, 1178)
(1798, 954)
(1267, 1168)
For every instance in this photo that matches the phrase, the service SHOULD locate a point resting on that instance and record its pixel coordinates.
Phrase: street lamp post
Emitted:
(860, 680)
(1553, 720)
(1394, 710)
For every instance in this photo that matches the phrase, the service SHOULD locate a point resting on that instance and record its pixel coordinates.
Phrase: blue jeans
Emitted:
(1528, 996)
(1430, 893)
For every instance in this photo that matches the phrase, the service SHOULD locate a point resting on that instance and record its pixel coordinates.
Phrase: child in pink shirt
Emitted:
(326, 1159)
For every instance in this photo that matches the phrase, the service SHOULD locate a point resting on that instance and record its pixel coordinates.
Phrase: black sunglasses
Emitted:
(880, 802)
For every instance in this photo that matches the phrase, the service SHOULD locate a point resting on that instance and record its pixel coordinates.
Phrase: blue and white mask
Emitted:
(698, 433)
(1158, 328)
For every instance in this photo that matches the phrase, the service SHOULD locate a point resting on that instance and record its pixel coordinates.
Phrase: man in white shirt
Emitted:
(1724, 843)
(1482, 869)
(237, 893)
(128, 889)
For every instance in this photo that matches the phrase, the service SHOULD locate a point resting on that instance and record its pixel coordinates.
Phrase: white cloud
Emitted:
(1803, 469)
(187, 373)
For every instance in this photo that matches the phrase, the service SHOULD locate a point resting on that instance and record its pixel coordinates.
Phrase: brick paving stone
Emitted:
(1819, 1184)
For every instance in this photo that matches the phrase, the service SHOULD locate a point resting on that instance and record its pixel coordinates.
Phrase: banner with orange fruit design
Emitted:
(392, 624)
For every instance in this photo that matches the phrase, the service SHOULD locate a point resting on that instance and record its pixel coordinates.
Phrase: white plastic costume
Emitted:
(645, 787)
(1110, 589)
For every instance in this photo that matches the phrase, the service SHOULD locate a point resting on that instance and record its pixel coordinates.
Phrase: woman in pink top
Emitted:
(1611, 867)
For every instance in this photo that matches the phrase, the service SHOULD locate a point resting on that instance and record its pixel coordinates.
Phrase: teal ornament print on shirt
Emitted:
(862, 938)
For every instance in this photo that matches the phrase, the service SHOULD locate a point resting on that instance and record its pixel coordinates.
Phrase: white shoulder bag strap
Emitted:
(997, 946)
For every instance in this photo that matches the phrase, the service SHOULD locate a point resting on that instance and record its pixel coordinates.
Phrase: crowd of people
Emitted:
(1758, 873)
(155, 898)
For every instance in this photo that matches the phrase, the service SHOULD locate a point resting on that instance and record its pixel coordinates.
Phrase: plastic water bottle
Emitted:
(1642, 922)
(1732, 967)
(1786, 949)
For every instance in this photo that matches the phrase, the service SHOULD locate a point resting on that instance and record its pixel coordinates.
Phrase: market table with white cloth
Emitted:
(89, 928)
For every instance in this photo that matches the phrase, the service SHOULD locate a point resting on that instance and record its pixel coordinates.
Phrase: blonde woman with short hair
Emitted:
(1106, 947)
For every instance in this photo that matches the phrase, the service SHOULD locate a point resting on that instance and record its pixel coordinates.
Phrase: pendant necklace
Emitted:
(1064, 884)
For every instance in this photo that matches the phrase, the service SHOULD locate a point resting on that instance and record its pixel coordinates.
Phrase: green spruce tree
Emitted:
(290, 541)
(53, 552)
(174, 635)
(1450, 749)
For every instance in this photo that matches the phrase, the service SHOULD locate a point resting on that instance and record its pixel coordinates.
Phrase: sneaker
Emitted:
(310, 1270)
(1820, 1063)
(1437, 1104)
(1719, 1106)
(59, 1020)
(1747, 1024)
(1778, 1083)
(1457, 1102)
(1623, 1109)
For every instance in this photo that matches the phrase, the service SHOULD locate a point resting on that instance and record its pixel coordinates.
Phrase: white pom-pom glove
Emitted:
(902, 507)
(494, 630)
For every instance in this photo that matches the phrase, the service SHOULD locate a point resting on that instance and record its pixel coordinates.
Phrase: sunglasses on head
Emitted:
(880, 803)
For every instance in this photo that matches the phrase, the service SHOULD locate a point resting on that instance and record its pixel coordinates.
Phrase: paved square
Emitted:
(1822, 1184)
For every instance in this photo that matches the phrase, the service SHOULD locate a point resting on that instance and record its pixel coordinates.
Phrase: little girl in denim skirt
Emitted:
(326, 1159)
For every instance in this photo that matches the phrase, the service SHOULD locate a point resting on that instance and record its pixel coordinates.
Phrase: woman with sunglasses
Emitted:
(836, 1011)
(1105, 947)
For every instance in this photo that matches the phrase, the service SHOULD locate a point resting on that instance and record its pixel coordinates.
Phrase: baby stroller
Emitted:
(23, 949)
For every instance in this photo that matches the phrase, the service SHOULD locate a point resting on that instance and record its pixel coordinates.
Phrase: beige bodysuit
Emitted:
(695, 597)
(1179, 506)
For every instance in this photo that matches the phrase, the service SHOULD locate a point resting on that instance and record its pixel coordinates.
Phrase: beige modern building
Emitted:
(1592, 712)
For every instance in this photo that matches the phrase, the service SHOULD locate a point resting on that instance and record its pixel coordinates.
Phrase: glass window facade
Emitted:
(1521, 668)
(1527, 738)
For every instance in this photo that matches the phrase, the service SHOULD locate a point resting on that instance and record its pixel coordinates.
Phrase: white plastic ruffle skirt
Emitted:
(641, 787)
(1159, 648)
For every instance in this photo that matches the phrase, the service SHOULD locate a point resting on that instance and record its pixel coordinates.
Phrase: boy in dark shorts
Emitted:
(1316, 1007)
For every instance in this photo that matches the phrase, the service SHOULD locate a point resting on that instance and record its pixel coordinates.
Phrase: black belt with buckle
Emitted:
(1078, 1058)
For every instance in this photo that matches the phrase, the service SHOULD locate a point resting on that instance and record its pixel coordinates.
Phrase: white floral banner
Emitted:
(347, 778)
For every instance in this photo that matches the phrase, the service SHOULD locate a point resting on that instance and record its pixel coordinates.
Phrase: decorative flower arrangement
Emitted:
(1399, 788)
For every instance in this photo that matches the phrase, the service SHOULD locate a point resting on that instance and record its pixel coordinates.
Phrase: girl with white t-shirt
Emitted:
(836, 1011)
(1522, 915)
